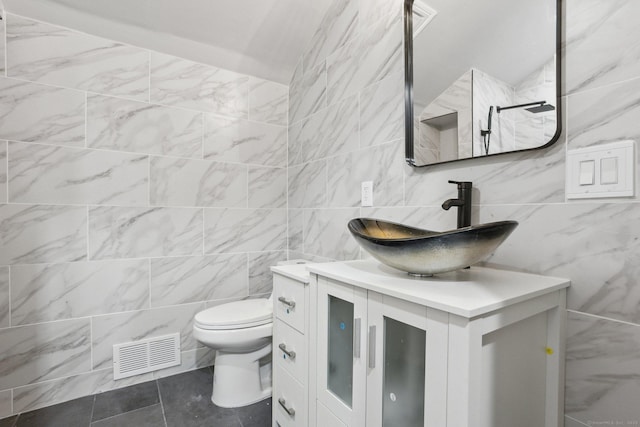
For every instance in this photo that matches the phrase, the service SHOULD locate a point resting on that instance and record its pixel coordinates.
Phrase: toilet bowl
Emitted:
(240, 332)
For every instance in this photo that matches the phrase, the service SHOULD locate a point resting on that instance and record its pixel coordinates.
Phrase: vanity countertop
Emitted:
(468, 293)
(296, 272)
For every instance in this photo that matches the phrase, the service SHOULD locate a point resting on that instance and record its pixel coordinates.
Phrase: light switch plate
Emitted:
(614, 171)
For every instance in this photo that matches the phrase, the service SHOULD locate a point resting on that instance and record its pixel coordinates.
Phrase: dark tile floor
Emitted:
(182, 400)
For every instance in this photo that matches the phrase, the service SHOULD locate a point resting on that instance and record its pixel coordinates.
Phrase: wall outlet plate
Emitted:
(367, 193)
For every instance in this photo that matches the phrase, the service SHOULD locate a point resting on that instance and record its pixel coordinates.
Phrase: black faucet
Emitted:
(463, 203)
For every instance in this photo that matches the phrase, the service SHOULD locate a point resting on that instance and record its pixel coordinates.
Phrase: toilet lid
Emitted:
(238, 314)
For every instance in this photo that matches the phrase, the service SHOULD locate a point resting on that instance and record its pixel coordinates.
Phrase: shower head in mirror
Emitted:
(534, 107)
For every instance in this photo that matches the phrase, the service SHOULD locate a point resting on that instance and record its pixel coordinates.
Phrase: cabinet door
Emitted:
(342, 317)
(407, 364)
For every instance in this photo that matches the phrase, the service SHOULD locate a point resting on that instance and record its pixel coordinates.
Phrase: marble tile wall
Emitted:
(136, 189)
(595, 242)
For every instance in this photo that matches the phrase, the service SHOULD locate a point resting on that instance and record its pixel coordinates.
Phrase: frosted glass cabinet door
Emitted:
(404, 382)
(406, 367)
(341, 380)
(340, 351)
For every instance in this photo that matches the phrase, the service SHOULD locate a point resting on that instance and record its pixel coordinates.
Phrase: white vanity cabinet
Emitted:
(291, 337)
(477, 347)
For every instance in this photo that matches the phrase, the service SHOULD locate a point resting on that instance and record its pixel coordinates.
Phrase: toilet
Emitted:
(240, 332)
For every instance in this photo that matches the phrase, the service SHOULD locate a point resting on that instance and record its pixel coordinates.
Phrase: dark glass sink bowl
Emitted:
(423, 252)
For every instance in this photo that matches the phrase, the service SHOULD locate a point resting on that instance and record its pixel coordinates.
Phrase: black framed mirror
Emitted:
(482, 78)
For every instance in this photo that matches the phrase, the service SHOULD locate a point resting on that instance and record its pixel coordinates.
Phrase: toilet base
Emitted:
(237, 379)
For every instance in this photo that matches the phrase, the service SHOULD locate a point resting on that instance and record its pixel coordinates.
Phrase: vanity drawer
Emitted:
(285, 338)
(289, 400)
(289, 301)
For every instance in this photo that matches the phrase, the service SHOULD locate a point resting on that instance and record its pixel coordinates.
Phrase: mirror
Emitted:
(481, 78)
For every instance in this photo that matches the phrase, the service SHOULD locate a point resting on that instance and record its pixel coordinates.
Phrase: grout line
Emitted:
(595, 316)
(86, 119)
(93, 407)
(91, 342)
(164, 416)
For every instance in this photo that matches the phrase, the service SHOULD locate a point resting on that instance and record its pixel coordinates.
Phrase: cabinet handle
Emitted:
(372, 347)
(291, 354)
(286, 302)
(290, 411)
(357, 323)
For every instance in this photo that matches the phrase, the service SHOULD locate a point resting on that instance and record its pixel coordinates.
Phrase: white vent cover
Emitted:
(151, 354)
(422, 15)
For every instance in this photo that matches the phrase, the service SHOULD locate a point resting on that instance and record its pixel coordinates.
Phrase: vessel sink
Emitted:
(424, 252)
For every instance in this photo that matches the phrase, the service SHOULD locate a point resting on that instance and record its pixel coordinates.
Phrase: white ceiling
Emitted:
(263, 38)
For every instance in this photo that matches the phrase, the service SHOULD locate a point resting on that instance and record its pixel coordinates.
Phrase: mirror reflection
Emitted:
(484, 78)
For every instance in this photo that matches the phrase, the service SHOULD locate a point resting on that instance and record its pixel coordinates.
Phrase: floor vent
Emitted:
(151, 354)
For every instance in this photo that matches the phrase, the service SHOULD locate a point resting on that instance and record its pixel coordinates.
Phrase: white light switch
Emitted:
(587, 171)
(609, 170)
(605, 170)
(367, 193)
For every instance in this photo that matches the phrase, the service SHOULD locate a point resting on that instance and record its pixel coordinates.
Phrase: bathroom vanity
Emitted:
(375, 347)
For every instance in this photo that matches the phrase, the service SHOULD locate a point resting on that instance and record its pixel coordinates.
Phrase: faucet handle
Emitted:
(462, 184)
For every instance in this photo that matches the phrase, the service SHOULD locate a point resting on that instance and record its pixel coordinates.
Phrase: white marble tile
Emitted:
(3, 172)
(48, 292)
(119, 232)
(602, 43)
(244, 230)
(502, 179)
(124, 125)
(371, 11)
(308, 257)
(183, 280)
(369, 58)
(296, 229)
(267, 187)
(326, 233)
(382, 111)
(37, 113)
(3, 51)
(337, 131)
(268, 101)
(187, 182)
(46, 351)
(308, 185)
(381, 164)
(48, 393)
(602, 371)
(242, 141)
(5, 302)
(192, 359)
(294, 141)
(5, 399)
(604, 115)
(40, 233)
(338, 26)
(308, 94)
(125, 327)
(596, 245)
(183, 83)
(46, 53)
(50, 174)
(260, 276)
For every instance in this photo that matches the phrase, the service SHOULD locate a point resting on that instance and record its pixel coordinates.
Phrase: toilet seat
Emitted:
(236, 315)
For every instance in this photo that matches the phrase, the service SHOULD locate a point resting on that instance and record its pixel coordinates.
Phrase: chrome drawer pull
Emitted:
(291, 354)
(289, 411)
(286, 302)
